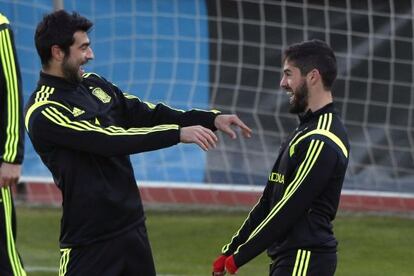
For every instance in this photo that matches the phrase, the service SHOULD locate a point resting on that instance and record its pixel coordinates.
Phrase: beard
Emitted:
(300, 99)
(70, 72)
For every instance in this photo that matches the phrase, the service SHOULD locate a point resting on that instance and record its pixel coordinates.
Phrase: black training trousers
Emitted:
(304, 263)
(10, 262)
(126, 255)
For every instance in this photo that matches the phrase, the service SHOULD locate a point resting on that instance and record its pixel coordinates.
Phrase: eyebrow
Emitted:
(85, 44)
(287, 71)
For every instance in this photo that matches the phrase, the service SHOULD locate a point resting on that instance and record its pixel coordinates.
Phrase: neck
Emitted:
(53, 71)
(318, 100)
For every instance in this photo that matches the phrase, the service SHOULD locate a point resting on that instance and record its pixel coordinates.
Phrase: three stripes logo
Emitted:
(301, 263)
(64, 261)
(77, 112)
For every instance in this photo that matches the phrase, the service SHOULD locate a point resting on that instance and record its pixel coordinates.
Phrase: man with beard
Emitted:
(84, 128)
(293, 218)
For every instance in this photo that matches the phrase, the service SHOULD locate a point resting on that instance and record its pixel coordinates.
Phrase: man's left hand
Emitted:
(224, 123)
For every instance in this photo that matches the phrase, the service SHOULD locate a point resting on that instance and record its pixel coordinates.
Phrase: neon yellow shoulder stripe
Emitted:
(130, 97)
(37, 105)
(3, 20)
(87, 75)
(322, 132)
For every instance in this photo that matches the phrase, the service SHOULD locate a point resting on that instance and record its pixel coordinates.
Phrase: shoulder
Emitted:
(43, 93)
(3, 20)
(93, 77)
(329, 130)
(43, 97)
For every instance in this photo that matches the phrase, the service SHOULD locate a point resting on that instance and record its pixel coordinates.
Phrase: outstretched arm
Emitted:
(203, 137)
(225, 122)
(55, 124)
(147, 114)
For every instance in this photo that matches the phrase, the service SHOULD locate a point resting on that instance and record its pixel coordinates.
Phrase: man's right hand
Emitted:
(203, 137)
(9, 174)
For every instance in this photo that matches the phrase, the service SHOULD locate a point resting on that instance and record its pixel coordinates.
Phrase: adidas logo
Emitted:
(77, 112)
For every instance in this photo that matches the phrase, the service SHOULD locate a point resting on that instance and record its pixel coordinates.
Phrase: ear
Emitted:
(313, 77)
(57, 53)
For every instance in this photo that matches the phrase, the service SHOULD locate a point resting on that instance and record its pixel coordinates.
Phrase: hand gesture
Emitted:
(203, 137)
(224, 123)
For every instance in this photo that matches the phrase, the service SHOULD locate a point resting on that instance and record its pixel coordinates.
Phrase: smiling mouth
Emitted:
(291, 95)
(81, 68)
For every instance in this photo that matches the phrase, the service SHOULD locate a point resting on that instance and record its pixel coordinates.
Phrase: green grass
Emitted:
(185, 243)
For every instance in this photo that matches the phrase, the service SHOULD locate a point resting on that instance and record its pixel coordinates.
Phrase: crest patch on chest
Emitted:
(102, 95)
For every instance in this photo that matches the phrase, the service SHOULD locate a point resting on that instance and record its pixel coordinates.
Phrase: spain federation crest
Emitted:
(102, 95)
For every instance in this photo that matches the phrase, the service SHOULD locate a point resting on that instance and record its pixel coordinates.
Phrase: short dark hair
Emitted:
(313, 54)
(58, 28)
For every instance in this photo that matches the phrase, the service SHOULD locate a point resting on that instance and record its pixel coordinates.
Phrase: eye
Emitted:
(84, 47)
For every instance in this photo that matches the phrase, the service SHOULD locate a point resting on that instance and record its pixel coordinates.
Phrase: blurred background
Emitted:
(226, 55)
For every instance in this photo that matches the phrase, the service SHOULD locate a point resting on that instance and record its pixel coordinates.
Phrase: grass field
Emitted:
(185, 243)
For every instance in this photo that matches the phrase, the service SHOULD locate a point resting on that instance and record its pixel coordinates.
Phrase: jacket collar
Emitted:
(309, 115)
(54, 81)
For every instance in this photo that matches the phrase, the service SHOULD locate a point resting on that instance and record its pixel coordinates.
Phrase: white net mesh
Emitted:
(226, 55)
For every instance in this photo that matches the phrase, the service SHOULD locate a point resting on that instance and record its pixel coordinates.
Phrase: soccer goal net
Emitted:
(227, 55)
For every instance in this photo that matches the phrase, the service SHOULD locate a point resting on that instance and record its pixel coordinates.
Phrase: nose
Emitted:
(89, 54)
(283, 82)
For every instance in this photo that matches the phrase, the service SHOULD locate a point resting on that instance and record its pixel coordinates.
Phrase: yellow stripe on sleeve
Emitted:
(10, 73)
(226, 247)
(57, 117)
(36, 106)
